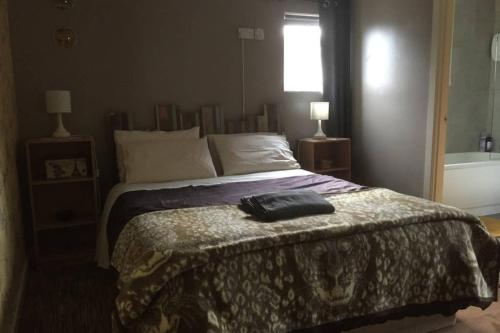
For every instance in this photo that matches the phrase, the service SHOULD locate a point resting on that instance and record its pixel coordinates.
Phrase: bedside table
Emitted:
(331, 156)
(64, 199)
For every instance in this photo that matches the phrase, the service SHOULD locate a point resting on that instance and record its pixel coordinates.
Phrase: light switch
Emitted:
(259, 34)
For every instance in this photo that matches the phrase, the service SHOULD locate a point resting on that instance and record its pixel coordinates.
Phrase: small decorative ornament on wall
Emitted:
(65, 37)
(63, 4)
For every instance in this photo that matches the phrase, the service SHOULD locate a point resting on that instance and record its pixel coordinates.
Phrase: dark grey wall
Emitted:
(133, 54)
(392, 50)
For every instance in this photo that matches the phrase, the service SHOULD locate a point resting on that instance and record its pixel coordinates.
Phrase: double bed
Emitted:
(189, 260)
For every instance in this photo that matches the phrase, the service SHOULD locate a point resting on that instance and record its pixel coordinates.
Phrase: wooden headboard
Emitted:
(210, 118)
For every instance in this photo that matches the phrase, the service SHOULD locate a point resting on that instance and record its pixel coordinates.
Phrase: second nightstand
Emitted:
(331, 156)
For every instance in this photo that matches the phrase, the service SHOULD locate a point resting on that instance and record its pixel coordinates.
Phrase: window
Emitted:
(302, 58)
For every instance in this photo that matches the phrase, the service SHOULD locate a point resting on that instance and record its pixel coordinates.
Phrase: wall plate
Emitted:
(246, 33)
(259, 34)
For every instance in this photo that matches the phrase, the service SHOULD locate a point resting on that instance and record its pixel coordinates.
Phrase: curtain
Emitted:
(335, 23)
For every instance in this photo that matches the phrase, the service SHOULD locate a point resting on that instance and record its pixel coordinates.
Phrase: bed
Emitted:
(190, 261)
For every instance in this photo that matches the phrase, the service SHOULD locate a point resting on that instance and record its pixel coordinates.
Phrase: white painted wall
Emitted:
(392, 49)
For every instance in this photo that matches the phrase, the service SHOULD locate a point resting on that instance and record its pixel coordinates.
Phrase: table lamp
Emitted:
(319, 112)
(59, 102)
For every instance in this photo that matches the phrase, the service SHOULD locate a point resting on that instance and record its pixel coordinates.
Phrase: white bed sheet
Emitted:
(102, 253)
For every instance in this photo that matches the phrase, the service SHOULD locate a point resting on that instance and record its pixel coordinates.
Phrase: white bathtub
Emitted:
(472, 182)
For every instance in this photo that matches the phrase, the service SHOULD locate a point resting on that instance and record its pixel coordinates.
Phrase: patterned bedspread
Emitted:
(215, 269)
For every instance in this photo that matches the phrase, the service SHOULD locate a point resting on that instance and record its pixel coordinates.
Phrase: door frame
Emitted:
(444, 34)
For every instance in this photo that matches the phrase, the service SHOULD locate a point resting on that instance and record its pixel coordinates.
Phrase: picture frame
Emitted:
(66, 168)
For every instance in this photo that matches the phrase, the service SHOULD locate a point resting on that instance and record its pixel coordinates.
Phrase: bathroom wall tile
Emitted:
(495, 133)
(462, 68)
(475, 84)
(497, 21)
(465, 17)
(495, 69)
(495, 128)
(480, 75)
(484, 10)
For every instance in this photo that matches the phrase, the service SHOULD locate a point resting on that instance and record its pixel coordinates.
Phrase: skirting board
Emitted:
(410, 325)
(19, 300)
(484, 211)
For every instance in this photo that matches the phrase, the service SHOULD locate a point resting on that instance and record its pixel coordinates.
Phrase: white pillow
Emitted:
(167, 160)
(213, 151)
(243, 154)
(124, 137)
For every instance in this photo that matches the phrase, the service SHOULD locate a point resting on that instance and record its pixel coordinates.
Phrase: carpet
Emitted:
(72, 299)
(492, 224)
(80, 300)
(475, 320)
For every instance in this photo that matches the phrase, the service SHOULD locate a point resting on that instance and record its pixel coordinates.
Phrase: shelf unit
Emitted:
(64, 211)
(330, 156)
(63, 181)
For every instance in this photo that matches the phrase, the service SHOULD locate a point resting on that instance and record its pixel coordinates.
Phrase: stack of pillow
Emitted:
(159, 156)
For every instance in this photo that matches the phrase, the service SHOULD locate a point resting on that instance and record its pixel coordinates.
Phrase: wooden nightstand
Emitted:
(331, 156)
(64, 208)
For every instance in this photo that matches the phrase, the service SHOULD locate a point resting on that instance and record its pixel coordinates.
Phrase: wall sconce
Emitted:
(65, 37)
(63, 4)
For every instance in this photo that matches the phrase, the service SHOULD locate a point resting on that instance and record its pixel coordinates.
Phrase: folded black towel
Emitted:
(286, 204)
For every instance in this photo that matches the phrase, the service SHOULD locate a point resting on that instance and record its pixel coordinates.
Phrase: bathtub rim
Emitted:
(482, 160)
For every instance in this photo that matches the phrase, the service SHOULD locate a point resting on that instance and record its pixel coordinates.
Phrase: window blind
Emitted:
(302, 19)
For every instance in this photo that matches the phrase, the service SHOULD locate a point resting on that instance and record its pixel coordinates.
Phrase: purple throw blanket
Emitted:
(132, 204)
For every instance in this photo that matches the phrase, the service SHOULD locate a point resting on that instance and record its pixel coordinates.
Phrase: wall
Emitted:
(471, 91)
(12, 259)
(391, 57)
(133, 54)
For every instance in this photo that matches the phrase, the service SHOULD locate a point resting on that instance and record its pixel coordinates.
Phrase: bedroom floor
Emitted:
(492, 223)
(474, 320)
(80, 299)
(77, 300)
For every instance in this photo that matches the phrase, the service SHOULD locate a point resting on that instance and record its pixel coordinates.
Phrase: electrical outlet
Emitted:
(259, 34)
(246, 33)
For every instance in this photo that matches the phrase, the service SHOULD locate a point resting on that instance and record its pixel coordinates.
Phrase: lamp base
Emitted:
(61, 134)
(60, 131)
(320, 135)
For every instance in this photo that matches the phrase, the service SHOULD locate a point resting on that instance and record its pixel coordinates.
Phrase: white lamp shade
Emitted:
(58, 101)
(320, 110)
